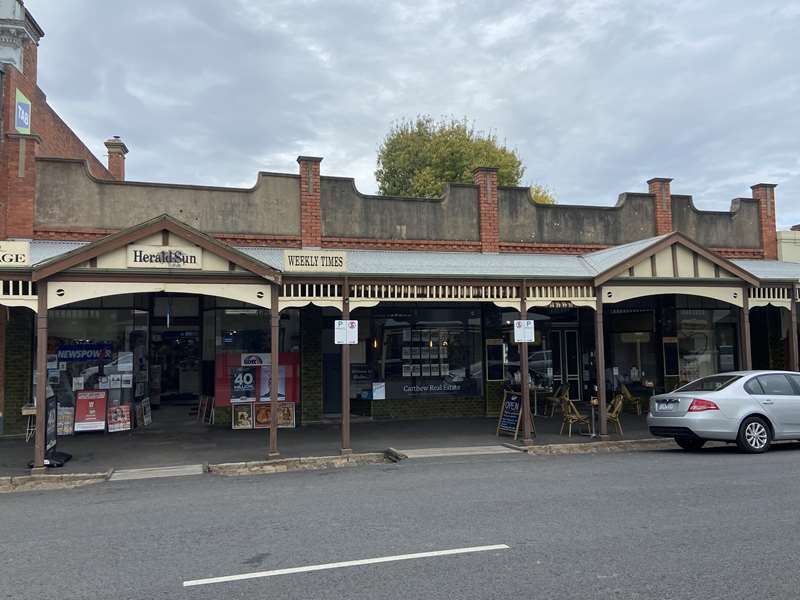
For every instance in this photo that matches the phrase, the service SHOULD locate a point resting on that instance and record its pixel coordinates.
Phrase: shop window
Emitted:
(410, 352)
(241, 343)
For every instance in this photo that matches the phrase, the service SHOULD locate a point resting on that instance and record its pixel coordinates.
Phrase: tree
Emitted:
(541, 194)
(417, 158)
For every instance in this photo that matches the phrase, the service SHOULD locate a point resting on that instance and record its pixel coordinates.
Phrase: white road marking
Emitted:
(339, 565)
(458, 451)
(156, 472)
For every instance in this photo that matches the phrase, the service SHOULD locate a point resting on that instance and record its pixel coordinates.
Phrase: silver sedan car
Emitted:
(750, 408)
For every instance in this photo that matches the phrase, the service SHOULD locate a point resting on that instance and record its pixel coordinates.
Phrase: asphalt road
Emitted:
(660, 524)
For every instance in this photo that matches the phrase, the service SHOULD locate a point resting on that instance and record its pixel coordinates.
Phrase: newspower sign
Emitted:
(165, 257)
(314, 261)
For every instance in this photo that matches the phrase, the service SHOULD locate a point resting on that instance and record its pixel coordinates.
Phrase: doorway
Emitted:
(175, 350)
(566, 357)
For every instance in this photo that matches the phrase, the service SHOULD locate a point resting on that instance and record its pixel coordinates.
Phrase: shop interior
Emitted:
(156, 361)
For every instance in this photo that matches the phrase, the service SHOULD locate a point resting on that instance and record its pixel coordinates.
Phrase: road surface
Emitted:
(657, 524)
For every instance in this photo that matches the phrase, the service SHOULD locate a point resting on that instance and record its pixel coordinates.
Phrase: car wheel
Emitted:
(754, 436)
(688, 443)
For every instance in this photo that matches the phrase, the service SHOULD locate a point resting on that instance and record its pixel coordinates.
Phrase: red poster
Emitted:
(119, 418)
(90, 410)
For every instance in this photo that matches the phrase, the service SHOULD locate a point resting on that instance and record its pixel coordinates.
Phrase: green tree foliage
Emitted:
(418, 157)
(541, 194)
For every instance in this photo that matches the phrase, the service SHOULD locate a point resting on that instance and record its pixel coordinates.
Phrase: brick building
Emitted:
(148, 294)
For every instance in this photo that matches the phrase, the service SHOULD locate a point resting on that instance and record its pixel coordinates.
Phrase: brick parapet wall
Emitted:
(486, 180)
(765, 194)
(310, 203)
(373, 244)
(660, 188)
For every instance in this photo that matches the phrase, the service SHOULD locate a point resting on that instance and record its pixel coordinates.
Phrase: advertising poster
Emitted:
(77, 383)
(51, 424)
(115, 381)
(119, 418)
(242, 416)
(126, 380)
(266, 383)
(125, 362)
(66, 420)
(286, 415)
(146, 412)
(90, 410)
(243, 384)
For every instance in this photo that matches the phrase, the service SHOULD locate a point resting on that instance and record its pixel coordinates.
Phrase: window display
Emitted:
(420, 352)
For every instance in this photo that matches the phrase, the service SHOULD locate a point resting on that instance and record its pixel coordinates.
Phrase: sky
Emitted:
(596, 96)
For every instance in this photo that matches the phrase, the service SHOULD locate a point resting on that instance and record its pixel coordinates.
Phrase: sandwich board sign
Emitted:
(345, 332)
(511, 415)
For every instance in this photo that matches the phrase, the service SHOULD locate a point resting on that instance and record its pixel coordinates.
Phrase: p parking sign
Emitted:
(22, 114)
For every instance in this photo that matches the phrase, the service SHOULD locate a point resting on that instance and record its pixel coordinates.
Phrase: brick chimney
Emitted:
(659, 187)
(116, 157)
(486, 180)
(310, 212)
(765, 194)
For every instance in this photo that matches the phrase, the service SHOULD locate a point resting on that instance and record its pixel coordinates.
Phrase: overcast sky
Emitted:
(596, 96)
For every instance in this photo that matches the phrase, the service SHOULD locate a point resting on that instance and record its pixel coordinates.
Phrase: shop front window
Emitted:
(240, 337)
(418, 353)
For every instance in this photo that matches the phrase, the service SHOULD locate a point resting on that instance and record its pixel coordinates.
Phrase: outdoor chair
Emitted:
(633, 402)
(615, 411)
(556, 400)
(572, 416)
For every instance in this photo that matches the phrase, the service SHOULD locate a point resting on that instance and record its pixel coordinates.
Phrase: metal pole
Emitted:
(346, 449)
(527, 440)
(600, 363)
(794, 356)
(275, 334)
(41, 375)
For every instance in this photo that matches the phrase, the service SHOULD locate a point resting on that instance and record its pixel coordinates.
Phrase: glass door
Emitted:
(566, 355)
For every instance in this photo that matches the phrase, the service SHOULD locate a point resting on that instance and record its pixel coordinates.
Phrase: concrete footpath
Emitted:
(53, 480)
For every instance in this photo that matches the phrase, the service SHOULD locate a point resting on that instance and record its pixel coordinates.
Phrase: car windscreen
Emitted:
(711, 383)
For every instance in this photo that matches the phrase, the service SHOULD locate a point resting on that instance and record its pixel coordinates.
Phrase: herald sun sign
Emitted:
(22, 114)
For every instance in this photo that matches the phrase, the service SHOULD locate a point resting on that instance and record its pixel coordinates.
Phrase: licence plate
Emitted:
(666, 406)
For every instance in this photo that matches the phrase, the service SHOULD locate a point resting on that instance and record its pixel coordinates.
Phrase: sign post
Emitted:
(346, 334)
(523, 334)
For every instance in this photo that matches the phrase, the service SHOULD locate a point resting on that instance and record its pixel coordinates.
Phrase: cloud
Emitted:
(597, 96)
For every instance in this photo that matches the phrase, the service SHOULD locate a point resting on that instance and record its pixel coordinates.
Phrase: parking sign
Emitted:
(346, 332)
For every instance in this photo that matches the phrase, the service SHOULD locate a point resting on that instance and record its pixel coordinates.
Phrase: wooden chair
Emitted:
(634, 402)
(614, 412)
(572, 416)
(556, 400)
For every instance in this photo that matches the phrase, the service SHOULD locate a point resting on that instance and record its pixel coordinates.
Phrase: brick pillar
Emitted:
(116, 157)
(659, 187)
(486, 180)
(310, 213)
(765, 194)
(18, 194)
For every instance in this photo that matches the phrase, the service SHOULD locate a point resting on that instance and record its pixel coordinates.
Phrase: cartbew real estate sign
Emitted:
(22, 114)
